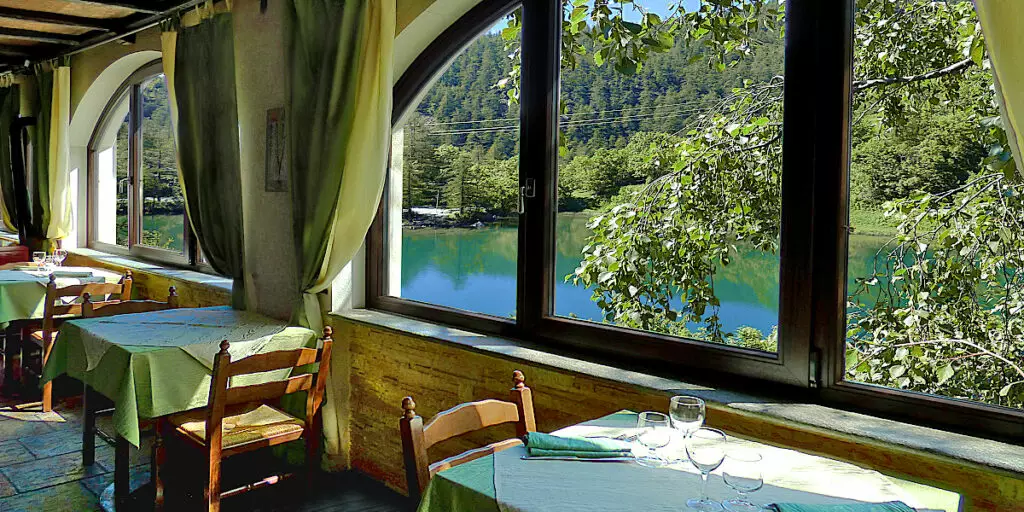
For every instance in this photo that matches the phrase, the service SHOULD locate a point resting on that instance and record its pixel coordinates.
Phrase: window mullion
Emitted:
(134, 166)
(541, 46)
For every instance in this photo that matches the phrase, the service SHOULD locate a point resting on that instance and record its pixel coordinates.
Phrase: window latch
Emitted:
(527, 191)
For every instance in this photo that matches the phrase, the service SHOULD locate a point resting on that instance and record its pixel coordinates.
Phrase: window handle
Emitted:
(527, 191)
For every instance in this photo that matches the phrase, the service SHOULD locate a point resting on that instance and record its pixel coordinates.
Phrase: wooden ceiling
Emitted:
(36, 30)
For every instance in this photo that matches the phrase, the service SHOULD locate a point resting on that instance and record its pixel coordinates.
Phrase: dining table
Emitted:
(159, 363)
(23, 297)
(509, 480)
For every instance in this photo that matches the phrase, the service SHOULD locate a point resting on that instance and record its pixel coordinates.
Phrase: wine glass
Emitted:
(38, 257)
(59, 256)
(655, 432)
(48, 262)
(706, 449)
(687, 414)
(742, 472)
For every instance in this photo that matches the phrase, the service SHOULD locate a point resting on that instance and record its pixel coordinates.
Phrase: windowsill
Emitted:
(989, 454)
(190, 276)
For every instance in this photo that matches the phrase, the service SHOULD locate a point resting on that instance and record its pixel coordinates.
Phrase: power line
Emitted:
(571, 115)
(573, 123)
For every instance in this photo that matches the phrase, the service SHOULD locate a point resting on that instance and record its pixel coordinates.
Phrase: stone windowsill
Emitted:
(996, 455)
(191, 276)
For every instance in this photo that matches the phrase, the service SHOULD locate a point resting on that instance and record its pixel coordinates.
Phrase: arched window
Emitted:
(136, 205)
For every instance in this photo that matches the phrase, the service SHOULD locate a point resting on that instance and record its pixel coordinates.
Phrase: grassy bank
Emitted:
(872, 222)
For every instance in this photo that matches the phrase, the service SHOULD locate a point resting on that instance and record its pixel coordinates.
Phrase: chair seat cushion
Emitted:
(241, 426)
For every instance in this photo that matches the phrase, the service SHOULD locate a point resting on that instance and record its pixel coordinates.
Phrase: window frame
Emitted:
(814, 232)
(131, 88)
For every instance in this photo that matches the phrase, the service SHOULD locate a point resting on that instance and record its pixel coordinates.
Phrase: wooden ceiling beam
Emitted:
(56, 19)
(143, 6)
(39, 37)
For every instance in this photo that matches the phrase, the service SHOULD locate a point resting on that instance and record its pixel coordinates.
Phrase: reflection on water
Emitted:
(475, 270)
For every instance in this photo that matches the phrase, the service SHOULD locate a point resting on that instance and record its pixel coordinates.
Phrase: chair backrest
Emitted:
(222, 394)
(56, 305)
(459, 420)
(92, 309)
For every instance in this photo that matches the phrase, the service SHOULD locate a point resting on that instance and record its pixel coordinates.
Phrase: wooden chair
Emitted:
(61, 304)
(238, 419)
(459, 420)
(110, 308)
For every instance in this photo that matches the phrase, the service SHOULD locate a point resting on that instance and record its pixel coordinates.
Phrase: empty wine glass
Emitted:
(38, 257)
(687, 414)
(59, 256)
(655, 432)
(706, 449)
(742, 471)
(48, 262)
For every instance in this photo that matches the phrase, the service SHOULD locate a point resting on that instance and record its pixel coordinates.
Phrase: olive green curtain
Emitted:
(50, 194)
(1001, 25)
(340, 56)
(207, 141)
(10, 102)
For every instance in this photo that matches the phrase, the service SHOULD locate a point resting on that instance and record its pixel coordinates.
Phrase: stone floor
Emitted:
(41, 469)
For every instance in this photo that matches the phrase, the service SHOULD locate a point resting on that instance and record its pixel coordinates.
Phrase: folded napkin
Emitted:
(547, 445)
(72, 273)
(892, 506)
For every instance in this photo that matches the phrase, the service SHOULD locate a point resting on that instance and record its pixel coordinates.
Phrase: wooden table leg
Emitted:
(12, 359)
(88, 426)
(121, 462)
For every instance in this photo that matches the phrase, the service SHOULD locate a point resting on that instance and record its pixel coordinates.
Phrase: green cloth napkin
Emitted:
(892, 506)
(547, 445)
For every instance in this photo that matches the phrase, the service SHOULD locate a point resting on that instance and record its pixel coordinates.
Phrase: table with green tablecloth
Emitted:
(23, 292)
(160, 363)
(506, 482)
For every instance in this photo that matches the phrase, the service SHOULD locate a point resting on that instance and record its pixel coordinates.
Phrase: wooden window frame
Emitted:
(131, 87)
(813, 249)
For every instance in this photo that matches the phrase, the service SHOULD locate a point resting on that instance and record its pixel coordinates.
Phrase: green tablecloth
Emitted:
(504, 482)
(159, 363)
(23, 293)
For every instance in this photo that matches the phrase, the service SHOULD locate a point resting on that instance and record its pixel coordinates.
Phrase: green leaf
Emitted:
(897, 371)
(945, 373)
(578, 14)
(510, 33)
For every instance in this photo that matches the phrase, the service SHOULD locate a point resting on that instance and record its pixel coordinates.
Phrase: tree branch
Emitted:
(959, 67)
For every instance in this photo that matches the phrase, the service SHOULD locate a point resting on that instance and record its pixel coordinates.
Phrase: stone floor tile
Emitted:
(37, 474)
(13, 452)
(69, 497)
(54, 443)
(6, 488)
(138, 476)
(16, 428)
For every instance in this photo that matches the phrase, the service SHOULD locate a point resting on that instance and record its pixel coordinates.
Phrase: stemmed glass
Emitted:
(742, 472)
(59, 256)
(38, 257)
(655, 432)
(706, 449)
(687, 414)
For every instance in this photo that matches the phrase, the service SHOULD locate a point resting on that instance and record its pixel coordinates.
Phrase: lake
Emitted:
(475, 270)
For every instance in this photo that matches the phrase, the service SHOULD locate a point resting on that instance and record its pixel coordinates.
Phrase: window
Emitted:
(455, 161)
(136, 204)
(680, 210)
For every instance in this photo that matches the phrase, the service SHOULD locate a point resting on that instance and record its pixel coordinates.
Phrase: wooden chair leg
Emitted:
(48, 387)
(312, 435)
(156, 467)
(213, 483)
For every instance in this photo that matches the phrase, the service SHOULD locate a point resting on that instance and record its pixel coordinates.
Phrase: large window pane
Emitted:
(112, 184)
(935, 294)
(670, 170)
(455, 185)
(163, 205)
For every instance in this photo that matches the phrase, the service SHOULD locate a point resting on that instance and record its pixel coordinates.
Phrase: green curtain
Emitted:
(39, 135)
(340, 59)
(1001, 24)
(340, 55)
(10, 102)
(207, 140)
